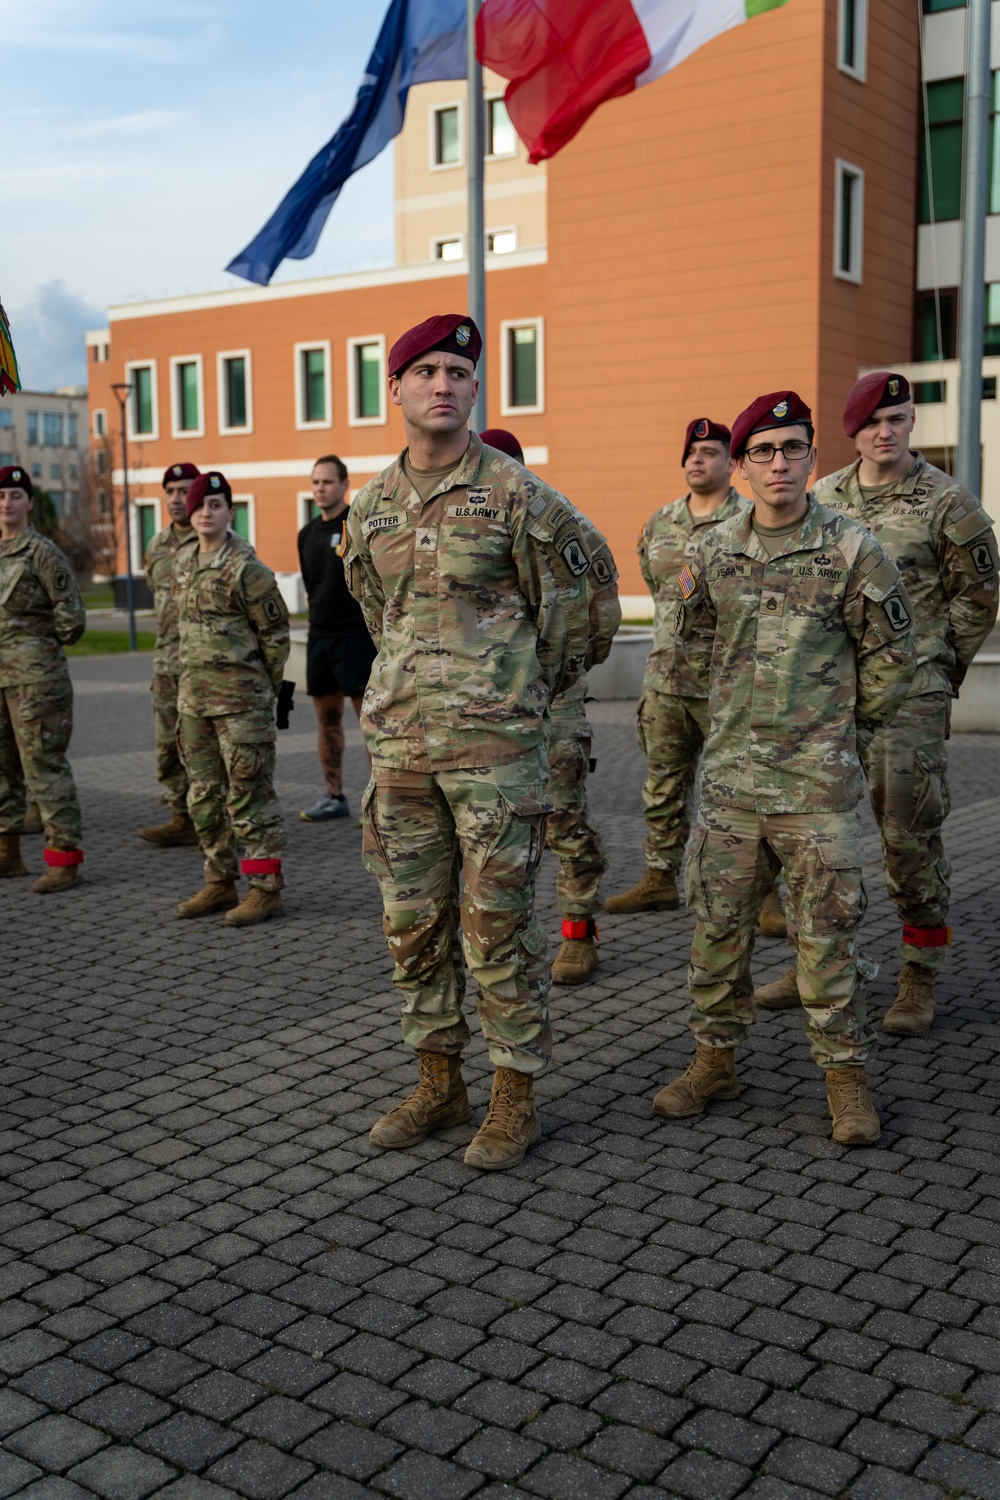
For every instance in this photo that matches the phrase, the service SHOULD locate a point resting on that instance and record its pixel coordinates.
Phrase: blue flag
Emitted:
(421, 41)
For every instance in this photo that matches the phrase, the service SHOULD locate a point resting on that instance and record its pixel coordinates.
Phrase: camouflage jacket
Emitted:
(478, 601)
(161, 554)
(667, 540)
(41, 610)
(943, 543)
(803, 656)
(233, 631)
(566, 710)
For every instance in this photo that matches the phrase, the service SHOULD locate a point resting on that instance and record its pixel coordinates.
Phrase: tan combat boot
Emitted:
(656, 891)
(32, 819)
(178, 833)
(855, 1122)
(257, 906)
(712, 1075)
(912, 1011)
(11, 863)
(63, 871)
(438, 1102)
(511, 1124)
(577, 958)
(771, 922)
(215, 895)
(783, 994)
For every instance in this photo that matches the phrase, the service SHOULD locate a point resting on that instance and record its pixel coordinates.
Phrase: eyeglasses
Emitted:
(764, 452)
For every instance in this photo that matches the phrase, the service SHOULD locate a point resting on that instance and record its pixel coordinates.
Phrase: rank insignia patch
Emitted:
(686, 582)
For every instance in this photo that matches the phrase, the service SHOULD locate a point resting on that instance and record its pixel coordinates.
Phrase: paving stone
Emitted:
(638, 1454)
(421, 1476)
(190, 1441)
(699, 1476)
(500, 1453)
(960, 1469)
(122, 1410)
(259, 1472)
(561, 1476)
(122, 1474)
(885, 1443)
(350, 1450)
(56, 1442)
(728, 1437)
(827, 1470)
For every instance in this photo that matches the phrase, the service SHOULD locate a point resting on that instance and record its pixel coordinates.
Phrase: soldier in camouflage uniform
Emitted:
(673, 711)
(943, 543)
(41, 611)
(571, 831)
(233, 648)
(798, 623)
(161, 555)
(472, 577)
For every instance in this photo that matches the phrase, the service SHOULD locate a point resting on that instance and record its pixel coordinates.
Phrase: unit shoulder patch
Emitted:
(983, 552)
(272, 609)
(603, 571)
(897, 613)
(574, 554)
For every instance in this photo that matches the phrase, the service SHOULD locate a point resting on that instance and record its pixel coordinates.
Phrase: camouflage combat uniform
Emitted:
(233, 648)
(477, 601)
(572, 834)
(943, 543)
(161, 555)
(41, 611)
(673, 710)
(805, 655)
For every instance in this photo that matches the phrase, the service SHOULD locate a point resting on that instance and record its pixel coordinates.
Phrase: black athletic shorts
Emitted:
(338, 664)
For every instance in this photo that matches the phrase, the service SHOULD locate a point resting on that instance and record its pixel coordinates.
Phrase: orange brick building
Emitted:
(745, 223)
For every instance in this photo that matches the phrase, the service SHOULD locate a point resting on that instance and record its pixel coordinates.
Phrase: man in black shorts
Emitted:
(340, 650)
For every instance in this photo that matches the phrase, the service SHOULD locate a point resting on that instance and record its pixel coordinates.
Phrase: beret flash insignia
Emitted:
(16, 476)
(214, 482)
(781, 410)
(701, 431)
(176, 471)
(893, 386)
(463, 334)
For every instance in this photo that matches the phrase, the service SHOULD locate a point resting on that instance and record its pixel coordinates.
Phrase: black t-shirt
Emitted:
(333, 610)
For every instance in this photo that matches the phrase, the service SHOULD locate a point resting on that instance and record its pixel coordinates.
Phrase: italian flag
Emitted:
(564, 58)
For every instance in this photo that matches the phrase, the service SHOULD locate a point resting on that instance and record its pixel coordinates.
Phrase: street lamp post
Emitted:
(122, 392)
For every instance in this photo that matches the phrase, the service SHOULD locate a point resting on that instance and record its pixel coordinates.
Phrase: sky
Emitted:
(147, 143)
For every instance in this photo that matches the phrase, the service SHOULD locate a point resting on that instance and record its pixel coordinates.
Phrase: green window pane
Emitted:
(501, 138)
(849, 40)
(446, 144)
(52, 429)
(236, 392)
(932, 6)
(945, 100)
(147, 527)
(314, 385)
(142, 399)
(941, 175)
(523, 352)
(994, 158)
(369, 380)
(187, 397)
(32, 428)
(241, 519)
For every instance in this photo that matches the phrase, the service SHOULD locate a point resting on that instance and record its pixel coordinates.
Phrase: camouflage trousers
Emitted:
(36, 721)
(735, 858)
(572, 834)
(907, 769)
(229, 760)
(170, 772)
(424, 833)
(672, 731)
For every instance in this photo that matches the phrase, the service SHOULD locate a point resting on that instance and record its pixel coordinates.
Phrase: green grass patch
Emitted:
(110, 643)
(98, 596)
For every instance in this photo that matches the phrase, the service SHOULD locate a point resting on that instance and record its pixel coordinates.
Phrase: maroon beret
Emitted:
(867, 395)
(180, 471)
(499, 437)
(700, 431)
(453, 333)
(779, 409)
(13, 477)
(212, 483)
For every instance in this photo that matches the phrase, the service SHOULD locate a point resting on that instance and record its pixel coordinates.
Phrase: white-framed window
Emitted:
(143, 412)
(244, 521)
(852, 38)
(522, 366)
(446, 136)
(451, 248)
(187, 402)
(848, 220)
(501, 241)
(313, 404)
(235, 385)
(308, 509)
(145, 518)
(100, 422)
(500, 135)
(366, 381)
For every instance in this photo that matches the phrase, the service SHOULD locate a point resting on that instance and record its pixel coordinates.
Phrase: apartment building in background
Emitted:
(47, 433)
(752, 221)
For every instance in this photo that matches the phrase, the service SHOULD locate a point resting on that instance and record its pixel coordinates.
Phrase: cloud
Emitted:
(48, 336)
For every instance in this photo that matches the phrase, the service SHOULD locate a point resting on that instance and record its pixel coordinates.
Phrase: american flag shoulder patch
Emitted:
(687, 581)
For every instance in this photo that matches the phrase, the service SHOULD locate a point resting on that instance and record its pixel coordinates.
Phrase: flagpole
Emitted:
(974, 202)
(476, 236)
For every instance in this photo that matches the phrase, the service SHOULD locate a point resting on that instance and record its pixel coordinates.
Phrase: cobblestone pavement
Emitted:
(212, 1285)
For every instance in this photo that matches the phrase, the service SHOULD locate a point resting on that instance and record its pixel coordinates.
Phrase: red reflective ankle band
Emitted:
(927, 937)
(260, 866)
(61, 857)
(579, 927)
